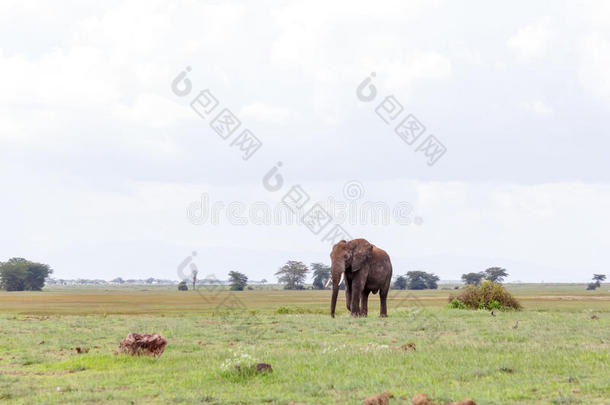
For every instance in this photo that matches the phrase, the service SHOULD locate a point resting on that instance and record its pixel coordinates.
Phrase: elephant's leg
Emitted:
(365, 302)
(348, 294)
(357, 287)
(383, 295)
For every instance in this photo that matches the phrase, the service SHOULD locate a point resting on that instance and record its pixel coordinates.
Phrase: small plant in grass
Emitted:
(488, 295)
(239, 365)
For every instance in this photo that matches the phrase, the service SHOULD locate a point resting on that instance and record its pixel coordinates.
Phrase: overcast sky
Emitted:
(100, 159)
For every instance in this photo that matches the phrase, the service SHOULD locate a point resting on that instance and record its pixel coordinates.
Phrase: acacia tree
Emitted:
(238, 280)
(420, 280)
(597, 281)
(472, 278)
(495, 274)
(22, 275)
(400, 283)
(599, 278)
(194, 272)
(431, 280)
(292, 275)
(321, 274)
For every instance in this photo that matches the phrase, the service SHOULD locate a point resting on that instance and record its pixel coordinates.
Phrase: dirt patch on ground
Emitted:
(380, 399)
(420, 399)
(138, 344)
(408, 347)
(263, 368)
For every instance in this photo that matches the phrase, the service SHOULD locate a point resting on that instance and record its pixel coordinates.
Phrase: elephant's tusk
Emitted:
(330, 279)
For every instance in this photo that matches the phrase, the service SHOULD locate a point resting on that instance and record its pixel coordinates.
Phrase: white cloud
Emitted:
(415, 67)
(59, 77)
(266, 113)
(537, 107)
(532, 40)
(560, 225)
(150, 109)
(594, 69)
(134, 26)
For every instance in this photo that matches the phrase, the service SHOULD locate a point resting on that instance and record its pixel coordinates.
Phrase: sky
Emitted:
(108, 170)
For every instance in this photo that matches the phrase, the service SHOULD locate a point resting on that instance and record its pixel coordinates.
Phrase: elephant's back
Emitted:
(381, 270)
(382, 257)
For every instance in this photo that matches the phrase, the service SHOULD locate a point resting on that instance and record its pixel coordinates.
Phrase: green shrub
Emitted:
(488, 295)
(283, 310)
(495, 305)
(456, 304)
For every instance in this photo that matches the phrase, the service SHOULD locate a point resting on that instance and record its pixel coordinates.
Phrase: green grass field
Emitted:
(556, 354)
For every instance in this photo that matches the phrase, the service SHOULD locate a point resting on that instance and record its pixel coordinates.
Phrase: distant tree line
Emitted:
(18, 274)
(416, 280)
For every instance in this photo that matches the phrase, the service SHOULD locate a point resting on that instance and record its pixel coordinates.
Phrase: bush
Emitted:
(592, 286)
(495, 305)
(488, 295)
(182, 286)
(456, 304)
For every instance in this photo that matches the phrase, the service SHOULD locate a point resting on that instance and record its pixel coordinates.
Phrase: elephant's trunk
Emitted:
(337, 279)
(333, 303)
(330, 279)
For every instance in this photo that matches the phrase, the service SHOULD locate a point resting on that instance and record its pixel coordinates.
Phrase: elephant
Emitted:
(366, 269)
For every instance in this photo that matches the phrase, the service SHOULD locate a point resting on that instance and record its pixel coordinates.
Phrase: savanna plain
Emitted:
(556, 350)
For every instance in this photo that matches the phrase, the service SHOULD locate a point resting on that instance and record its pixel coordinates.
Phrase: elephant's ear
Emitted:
(361, 252)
